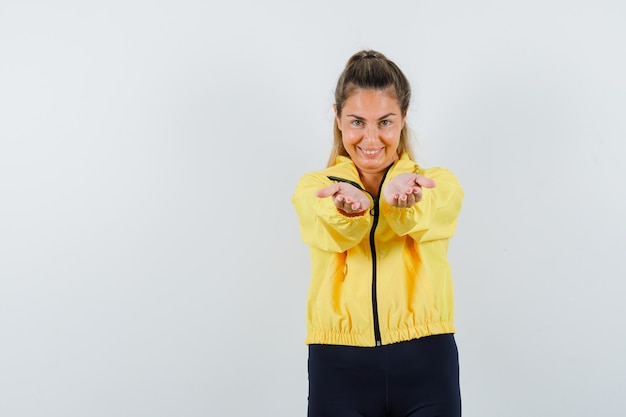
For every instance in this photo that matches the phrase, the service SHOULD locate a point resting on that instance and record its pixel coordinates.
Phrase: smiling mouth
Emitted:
(371, 152)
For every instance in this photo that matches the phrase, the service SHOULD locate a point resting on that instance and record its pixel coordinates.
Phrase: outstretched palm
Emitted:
(405, 190)
(346, 197)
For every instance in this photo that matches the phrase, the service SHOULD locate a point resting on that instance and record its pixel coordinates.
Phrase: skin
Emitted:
(370, 123)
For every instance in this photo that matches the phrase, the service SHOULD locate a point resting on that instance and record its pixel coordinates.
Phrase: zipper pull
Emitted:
(374, 208)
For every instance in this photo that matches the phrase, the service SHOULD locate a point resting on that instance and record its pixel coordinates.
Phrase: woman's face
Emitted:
(370, 124)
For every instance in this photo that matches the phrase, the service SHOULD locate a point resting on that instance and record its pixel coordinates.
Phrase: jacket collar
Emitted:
(345, 168)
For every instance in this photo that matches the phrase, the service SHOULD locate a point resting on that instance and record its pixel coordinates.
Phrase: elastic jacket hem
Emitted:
(388, 337)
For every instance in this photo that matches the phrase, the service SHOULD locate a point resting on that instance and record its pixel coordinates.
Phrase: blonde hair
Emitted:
(370, 69)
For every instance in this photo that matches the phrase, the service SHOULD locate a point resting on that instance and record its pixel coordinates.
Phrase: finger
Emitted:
(402, 200)
(328, 191)
(418, 196)
(425, 182)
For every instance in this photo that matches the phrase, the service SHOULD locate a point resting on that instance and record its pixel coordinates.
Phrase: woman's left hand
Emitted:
(405, 190)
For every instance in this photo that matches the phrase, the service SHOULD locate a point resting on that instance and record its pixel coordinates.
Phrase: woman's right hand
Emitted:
(347, 198)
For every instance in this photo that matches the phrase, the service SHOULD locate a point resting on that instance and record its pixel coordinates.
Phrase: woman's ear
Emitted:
(337, 117)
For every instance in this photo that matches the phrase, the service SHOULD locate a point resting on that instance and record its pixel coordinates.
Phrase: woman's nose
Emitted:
(371, 133)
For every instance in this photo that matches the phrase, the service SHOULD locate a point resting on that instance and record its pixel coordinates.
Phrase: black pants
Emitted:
(418, 378)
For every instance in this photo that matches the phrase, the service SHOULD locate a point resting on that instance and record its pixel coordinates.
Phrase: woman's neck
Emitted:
(371, 182)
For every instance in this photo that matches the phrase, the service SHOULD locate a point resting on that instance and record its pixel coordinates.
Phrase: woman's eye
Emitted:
(385, 122)
(357, 123)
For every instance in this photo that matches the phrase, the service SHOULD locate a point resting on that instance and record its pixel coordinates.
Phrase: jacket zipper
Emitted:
(374, 212)
(374, 274)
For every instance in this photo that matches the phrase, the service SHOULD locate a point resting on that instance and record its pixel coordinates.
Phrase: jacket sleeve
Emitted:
(321, 225)
(435, 216)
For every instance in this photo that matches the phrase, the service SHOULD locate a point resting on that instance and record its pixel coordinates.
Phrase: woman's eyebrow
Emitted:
(362, 118)
(387, 115)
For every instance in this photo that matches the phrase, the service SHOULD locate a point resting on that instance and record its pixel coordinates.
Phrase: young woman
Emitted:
(380, 305)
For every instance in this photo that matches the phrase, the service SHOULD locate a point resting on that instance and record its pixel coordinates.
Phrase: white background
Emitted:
(150, 258)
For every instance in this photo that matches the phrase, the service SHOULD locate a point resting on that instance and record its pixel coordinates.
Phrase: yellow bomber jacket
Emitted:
(383, 277)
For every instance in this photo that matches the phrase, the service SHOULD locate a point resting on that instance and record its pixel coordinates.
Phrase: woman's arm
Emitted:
(322, 223)
(435, 215)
